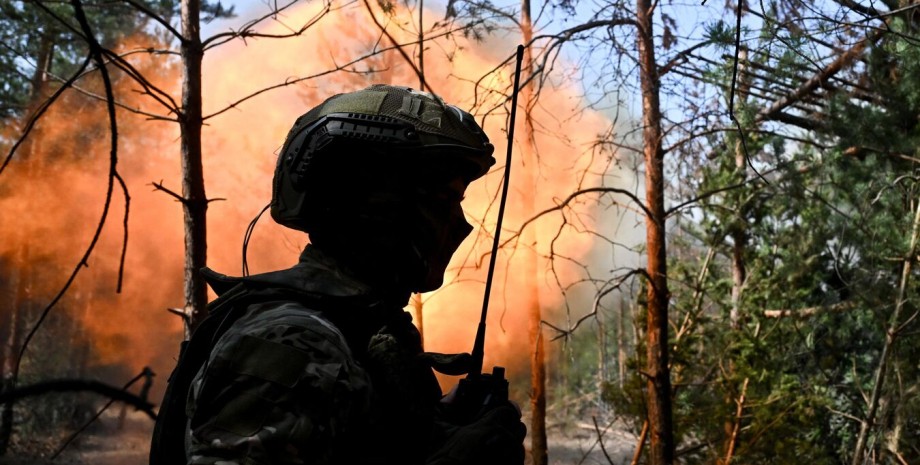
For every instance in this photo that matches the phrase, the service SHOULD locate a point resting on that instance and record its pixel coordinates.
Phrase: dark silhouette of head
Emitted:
(375, 177)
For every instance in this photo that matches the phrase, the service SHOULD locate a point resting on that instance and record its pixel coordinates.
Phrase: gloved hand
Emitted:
(495, 438)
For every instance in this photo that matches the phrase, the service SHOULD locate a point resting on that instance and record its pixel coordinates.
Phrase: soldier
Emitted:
(319, 364)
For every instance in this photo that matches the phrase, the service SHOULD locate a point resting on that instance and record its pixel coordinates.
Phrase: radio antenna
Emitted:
(479, 343)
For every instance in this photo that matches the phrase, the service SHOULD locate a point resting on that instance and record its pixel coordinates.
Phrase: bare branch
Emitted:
(809, 311)
(572, 197)
(600, 440)
(396, 44)
(680, 57)
(147, 374)
(640, 444)
(79, 385)
(293, 81)
(41, 111)
(124, 242)
(186, 318)
(158, 186)
(705, 195)
(246, 30)
(820, 79)
(96, 53)
(147, 11)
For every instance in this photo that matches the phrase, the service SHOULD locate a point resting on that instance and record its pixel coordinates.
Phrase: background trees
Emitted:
(724, 208)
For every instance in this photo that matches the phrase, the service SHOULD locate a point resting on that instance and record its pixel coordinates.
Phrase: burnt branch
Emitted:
(79, 385)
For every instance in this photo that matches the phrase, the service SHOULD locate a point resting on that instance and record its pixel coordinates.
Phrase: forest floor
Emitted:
(570, 443)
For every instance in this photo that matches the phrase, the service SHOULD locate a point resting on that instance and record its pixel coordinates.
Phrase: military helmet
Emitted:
(382, 128)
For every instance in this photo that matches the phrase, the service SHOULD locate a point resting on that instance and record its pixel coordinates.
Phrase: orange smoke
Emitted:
(240, 148)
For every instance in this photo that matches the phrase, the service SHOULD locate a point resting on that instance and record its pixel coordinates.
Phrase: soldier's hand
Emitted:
(495, 438)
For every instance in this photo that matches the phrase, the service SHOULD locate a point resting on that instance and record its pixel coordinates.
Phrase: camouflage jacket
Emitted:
(334, 378)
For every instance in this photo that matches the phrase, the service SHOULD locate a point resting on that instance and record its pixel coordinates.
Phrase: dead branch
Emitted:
(737, 426)
(820, 79)
(163, 22)
(79, 385)
(246, 31)
(597, 300)
(186, 318)
(124, 242)
(298, 80)
(681, 56)
(399, 48)
(146, 373)
(890, 338)
(570, 199)
(705, 195)
(153, 91)
(96, 52)
(809, 311)
(640, 444)
(158, 186)
(697, 300)
(600, 440)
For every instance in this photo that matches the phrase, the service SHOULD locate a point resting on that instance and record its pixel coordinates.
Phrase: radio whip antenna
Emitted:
(479, 344)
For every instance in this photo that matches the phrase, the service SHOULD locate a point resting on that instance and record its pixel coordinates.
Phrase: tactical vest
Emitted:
(168, 443)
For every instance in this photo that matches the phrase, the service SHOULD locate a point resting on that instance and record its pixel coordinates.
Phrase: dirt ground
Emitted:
(571, 443)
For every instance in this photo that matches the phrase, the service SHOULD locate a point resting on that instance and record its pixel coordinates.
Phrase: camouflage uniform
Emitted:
(311, 365)
(289, 384)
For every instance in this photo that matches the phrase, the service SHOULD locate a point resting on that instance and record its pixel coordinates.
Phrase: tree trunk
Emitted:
(195, 203)
(421, 52)
(739, 232)
(661, 435)
(538, 445)
(601, 358)
(739, 271)
(621, 345)
(22, 264)
(419, 306)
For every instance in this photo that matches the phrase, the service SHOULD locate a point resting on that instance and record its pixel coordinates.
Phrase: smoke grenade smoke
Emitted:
(51, 197)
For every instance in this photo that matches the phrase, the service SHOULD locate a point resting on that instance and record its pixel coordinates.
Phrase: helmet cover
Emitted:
(382, 128)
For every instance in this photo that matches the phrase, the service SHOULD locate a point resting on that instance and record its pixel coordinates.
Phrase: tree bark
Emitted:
(621, 345)
(601, 358)
(739, 271)
(421, 46)
(195, 203)
(538, 445)
(661, 435)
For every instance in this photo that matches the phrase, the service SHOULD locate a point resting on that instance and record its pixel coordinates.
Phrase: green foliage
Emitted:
(824, 241)
(30, 34)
